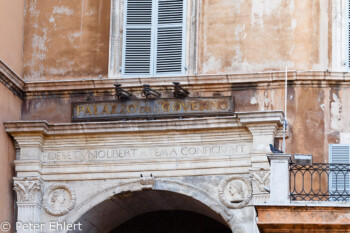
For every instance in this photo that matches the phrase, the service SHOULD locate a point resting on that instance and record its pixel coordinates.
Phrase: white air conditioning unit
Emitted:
(302, 159)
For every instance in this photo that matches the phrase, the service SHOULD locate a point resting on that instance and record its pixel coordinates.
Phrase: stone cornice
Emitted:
(261, 117)
(217, 82)
(11, 80)
(43, 127)
(30, 127)
(278, 156)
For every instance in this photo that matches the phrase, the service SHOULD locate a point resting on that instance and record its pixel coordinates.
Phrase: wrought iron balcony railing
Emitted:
(320, 182)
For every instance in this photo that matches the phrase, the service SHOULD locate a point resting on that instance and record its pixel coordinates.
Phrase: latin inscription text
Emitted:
(140, 153)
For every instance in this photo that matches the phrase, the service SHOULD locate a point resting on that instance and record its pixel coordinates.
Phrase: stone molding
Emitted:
(64, 207)
(240, 119)
(217, 82)
(280, 157)
(243, 192)
(11, 80)
(28, 190)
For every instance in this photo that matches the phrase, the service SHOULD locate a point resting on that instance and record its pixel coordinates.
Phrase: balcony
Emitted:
(319, 182)
(306, 198)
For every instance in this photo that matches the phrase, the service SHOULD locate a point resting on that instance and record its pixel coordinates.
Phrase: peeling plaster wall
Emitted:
(259, 35)
(66, 39)
(10, 106)
(70, 39)
(11, 31)
(317, 116)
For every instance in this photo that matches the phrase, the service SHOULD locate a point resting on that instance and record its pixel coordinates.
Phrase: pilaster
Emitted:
(29, 195)
(263, 135)
(30, 146)
(279, 186)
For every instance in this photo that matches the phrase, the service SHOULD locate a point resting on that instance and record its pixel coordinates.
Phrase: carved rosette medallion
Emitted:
(235, 192)
(59, 199)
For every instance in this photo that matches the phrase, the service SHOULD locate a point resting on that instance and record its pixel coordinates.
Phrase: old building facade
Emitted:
(79, 154)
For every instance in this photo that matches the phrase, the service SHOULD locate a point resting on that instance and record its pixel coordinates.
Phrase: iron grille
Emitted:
(320, 182)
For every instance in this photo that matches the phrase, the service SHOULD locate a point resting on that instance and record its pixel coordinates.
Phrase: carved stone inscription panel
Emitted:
(187, 151)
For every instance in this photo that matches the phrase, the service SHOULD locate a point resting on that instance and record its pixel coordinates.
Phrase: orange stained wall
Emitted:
(66, 39)
(10, 106)
(11, 33)
(242, 36)
(69, 39)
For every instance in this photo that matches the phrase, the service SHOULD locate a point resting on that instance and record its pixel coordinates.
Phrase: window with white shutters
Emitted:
(339, 180)
(154, 37)
(341, 35)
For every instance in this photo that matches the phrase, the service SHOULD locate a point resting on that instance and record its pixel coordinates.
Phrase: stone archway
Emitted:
(112, 207)
(95, 162)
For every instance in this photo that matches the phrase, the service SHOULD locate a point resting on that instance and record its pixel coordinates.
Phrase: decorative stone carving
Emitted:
(59, 199)
(235, 192)
(27, 189)
(147, 182)
(260, 180)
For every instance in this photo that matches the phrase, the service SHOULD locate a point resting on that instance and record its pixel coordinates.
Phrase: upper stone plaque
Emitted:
(152, 108)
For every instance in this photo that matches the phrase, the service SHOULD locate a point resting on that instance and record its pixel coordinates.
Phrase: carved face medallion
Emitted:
(59, 199)
(235, 192)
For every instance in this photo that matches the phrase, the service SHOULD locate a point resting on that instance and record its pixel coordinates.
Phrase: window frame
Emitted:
(154, 33)
(116, 45)
(340, 36)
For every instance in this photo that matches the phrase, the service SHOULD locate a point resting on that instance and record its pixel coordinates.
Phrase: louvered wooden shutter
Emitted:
(154, 37)
(170, 36)
(138, 37)
(339, 180)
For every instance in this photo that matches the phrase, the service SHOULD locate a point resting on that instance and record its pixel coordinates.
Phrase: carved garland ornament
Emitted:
(59, 199)
(235, 192)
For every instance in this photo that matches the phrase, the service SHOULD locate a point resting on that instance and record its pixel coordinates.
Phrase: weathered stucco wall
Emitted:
(70, 39)
(10, 106)
(259, 35)
(316, 115)
(66, 39)
(11, 31)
